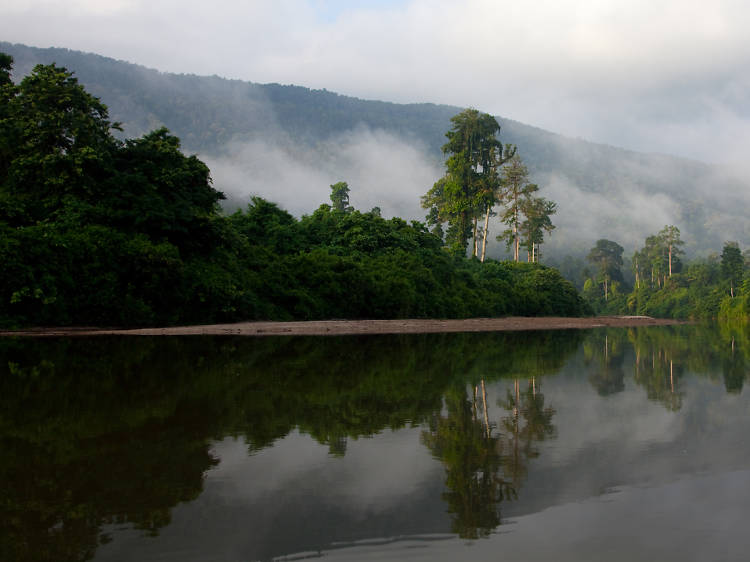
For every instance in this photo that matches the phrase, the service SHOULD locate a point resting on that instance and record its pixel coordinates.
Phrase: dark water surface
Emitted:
(572, 445)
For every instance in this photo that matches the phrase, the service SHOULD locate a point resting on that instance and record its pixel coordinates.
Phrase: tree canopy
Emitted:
(96, 230)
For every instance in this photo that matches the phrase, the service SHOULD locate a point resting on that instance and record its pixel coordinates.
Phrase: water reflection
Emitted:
(101, 435)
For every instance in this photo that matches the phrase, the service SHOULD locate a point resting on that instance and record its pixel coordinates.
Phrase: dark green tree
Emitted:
(607, 255)
(6, 65)
(161, 192)
(57, 147)
(732, 266)
(340, 197)
(468, 187)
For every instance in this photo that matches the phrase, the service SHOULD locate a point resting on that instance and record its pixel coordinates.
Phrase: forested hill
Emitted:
(289, 143)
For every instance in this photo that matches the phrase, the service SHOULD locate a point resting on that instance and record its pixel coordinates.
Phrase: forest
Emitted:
(656, 281)
(95, 230)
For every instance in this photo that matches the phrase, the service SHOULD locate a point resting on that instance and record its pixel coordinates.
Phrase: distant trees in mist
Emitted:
(664, 286)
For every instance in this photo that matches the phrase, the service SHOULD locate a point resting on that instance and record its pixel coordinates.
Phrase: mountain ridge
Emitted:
(288, 142)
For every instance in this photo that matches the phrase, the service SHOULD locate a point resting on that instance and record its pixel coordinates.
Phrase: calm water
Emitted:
(596, 445)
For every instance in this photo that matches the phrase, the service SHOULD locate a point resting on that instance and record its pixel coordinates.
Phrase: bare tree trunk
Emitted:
(670, 260)
(484, 232)
(476, 241)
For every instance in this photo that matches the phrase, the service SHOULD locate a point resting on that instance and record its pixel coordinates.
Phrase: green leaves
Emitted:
(98, 231)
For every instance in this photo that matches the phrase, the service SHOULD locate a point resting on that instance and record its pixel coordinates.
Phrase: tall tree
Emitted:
(537, 211)
(732, 266)
(654, 258)
(670, 236)
(491, 189)
(607, 255)
(461, 195)
(516, 191)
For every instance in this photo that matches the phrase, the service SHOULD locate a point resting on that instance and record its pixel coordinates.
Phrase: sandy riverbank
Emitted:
(349, 327)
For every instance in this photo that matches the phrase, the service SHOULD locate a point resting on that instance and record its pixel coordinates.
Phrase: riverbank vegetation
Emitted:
(95, 230)
(664, 286)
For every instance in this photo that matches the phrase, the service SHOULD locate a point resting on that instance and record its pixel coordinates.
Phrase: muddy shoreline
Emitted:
(356, 327)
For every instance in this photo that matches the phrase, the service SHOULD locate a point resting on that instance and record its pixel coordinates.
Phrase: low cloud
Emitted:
(381, 169)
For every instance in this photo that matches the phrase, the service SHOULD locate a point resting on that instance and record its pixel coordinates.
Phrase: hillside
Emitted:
(288, 143)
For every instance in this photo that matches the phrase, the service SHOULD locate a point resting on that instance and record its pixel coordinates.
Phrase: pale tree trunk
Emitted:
(670, 260)
(637, 281)
(476, 240)
(516, 238)
(484, 232)
(486, 415)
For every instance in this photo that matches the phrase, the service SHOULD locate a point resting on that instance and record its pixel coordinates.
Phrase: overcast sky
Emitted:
(669, 76)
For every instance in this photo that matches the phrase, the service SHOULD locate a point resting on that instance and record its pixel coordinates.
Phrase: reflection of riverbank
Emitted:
(345, 327)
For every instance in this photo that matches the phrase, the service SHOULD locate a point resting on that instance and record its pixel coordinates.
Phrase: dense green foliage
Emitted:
(480, 174)
(95, 230)
(664, 286)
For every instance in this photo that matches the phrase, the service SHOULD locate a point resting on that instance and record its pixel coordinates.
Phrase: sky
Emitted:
(671, 76)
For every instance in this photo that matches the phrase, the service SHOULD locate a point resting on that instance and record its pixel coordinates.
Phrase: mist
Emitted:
(629, 197)
(381, 169)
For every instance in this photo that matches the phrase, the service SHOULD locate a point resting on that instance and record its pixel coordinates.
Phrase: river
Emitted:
(604, 444)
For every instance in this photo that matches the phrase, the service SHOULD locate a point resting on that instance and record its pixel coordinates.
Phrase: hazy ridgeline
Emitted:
(289, 143)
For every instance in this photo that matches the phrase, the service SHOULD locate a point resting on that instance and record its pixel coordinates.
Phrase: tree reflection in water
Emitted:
(100, 432)
(484, 466)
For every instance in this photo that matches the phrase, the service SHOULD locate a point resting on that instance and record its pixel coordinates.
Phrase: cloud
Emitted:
(668, 76)
(381, 169)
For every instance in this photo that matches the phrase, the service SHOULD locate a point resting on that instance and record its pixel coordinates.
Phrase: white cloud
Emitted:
(381, 169)
(659, 76)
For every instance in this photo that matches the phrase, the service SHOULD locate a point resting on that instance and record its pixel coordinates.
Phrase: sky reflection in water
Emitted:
(601, 445)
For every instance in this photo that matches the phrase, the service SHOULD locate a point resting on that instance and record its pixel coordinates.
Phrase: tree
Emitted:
(537, 211)
(732, 266)
(340, 197)
(6, 64)
(7, 93)
(57, 145)
(670, 237)
(468, 187)
(607, 255)
(491, 189)
(516, 191)
(653, 256)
